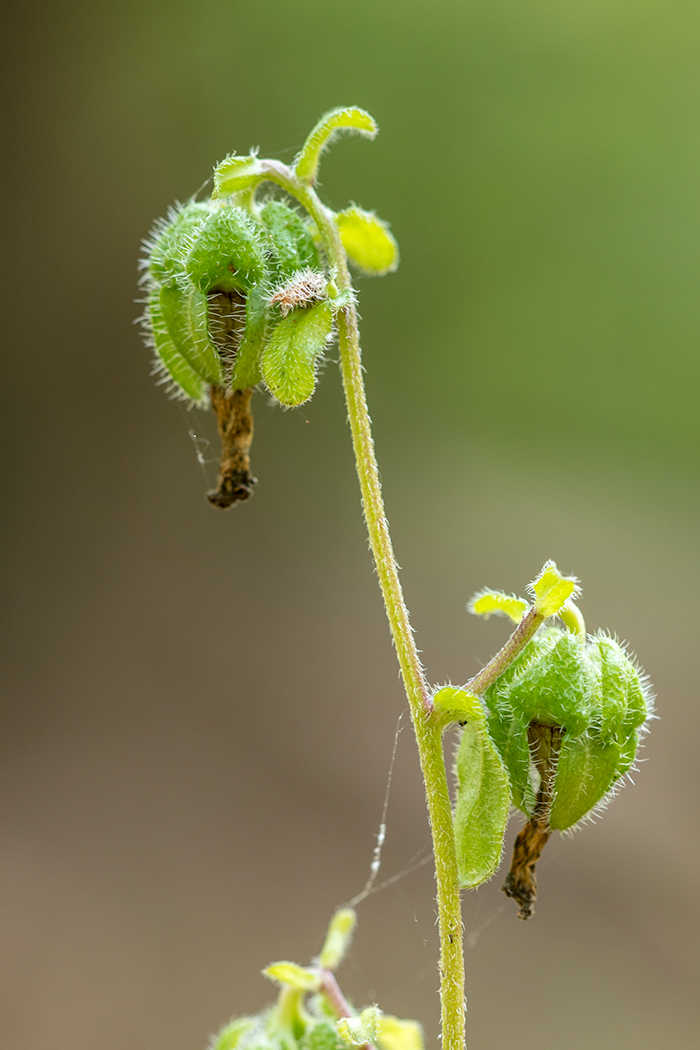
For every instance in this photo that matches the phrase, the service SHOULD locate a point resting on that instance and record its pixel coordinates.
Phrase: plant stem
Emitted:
(428, 732)
(522, 634)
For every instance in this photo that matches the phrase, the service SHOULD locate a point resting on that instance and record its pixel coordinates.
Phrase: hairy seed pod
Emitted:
(291, 245)
(170, 240)
(594, 695)
(186, 379)
(226, 253)
(185, 312)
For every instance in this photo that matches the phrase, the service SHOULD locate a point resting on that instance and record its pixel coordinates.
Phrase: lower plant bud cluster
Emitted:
(551, 726)
(312, 1013)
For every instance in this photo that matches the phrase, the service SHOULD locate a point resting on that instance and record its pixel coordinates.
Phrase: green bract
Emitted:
(368, 242)
(594, 693)
(483, 793)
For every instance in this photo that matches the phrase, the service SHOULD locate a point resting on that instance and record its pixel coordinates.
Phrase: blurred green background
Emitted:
(199, 708)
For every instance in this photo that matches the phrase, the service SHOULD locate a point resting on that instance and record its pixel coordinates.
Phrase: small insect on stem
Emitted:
(521, 881)
(235, 422)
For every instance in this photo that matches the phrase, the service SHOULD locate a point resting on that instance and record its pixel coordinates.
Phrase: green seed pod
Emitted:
(585, 771)
(171, 239)
(187, 381)
(598, 701)
(551, 682)
(226, 252)
(184, 310)
(289, 240)
(289, 359)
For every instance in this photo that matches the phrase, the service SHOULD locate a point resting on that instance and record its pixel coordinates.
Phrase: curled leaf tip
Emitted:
(349, 119)
(487, 602)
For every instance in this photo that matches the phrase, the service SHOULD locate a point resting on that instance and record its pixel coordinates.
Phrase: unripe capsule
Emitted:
(594, 695)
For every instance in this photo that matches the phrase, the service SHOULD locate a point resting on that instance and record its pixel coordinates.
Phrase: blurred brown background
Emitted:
(199, 708)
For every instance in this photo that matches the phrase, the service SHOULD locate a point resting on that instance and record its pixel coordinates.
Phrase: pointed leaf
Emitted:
(368, 242)
(350, 119)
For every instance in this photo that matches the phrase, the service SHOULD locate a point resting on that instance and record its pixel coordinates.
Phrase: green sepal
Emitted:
(349, 119)
(246, 370)
(620, 694)
(551, 682)
(320, 1035)
(232, 1033)
(586, 770)
(369, 243)
(289, 238)
(189, 382)
(235, 174)
(483, 795)
(185, 313)
(171, 239)
(509, 734)
(289, 359)
(227, 253)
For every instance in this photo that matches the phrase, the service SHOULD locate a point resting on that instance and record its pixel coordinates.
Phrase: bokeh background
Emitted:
(199, 708)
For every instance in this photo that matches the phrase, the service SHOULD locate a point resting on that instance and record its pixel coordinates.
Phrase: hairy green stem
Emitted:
(428, 731)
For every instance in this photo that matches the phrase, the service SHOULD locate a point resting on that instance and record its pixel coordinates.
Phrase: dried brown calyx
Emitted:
(235, 422)
(521, 881)
(234, 418)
